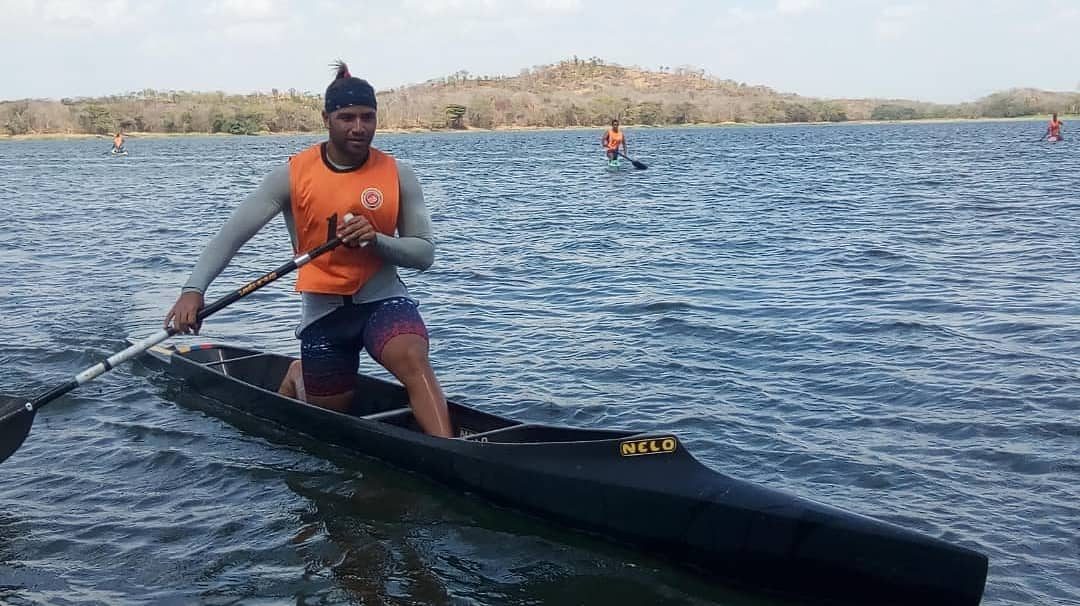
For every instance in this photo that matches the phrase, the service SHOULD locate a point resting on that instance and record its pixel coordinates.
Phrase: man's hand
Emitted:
(183, 312)
(356, 231)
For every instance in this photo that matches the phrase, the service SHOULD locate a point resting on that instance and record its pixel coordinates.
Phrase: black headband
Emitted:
(344, 92)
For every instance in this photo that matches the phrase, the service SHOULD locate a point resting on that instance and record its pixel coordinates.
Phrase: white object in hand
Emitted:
(349, 217)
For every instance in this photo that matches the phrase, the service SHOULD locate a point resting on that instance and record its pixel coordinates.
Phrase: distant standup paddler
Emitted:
(352, 297)
(118, 143)
(612, 140)
(1053, 130)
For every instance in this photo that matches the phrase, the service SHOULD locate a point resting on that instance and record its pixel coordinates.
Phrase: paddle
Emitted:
(637, 165)
(17, 414)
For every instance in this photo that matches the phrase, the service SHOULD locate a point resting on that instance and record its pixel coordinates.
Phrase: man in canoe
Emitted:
(612, 140)
(1053, 130)
(352, 297)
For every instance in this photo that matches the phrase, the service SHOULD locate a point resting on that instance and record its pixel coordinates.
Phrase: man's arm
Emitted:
(414, 246)
(261, 205)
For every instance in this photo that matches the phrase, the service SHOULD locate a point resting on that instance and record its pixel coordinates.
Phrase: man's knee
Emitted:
(406, 355)
(292, 386)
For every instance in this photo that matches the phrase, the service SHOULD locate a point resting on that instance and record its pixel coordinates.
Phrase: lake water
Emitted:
(885, 318)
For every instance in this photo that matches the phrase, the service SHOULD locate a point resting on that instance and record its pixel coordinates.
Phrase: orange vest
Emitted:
(614, 139)
(319, 191)
(1055, 128)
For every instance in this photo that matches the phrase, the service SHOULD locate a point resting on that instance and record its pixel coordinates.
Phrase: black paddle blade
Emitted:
(15, 422)
(638, 165)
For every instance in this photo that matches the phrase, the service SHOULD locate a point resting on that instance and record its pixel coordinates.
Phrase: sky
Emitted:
(932, 50)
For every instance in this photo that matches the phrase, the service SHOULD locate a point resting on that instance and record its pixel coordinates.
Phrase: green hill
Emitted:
(570, 93)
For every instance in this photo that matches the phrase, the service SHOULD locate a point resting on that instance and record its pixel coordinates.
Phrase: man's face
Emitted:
(351, 129)
(615, 124)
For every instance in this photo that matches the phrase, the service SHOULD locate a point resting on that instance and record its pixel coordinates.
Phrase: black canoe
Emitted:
(644, 489)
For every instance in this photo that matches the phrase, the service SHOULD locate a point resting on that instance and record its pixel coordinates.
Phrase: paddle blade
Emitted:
(638, 165)
(15, 422)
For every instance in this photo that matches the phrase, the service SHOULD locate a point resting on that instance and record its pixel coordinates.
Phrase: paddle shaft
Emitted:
(636, 164)
(138, 348)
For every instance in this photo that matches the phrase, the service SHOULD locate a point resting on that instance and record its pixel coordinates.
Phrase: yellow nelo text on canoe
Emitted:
(648, 446)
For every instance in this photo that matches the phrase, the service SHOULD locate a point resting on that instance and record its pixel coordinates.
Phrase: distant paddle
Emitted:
(17, 414)
(637, 165)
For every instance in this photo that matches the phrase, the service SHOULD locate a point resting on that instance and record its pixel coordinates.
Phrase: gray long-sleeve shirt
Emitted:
(413, 247)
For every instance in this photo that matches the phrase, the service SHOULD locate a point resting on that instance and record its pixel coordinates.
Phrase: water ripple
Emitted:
(884, 318)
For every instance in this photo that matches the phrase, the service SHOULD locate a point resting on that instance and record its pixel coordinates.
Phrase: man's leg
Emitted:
(396, 337)
(330, 357)
(406, 357)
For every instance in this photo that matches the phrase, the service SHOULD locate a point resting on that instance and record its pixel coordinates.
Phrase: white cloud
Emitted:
(489, 9)
(246, 10)
(741, 16)
(1059, 16)
(556, 6)
(895, 20)
(451, 8)
(249, 22)
(255, 33)
(163, 47)
(16, 9)
(1063, 11)
(796, 7)
(783, 9)
(81, 13)
(902, 11)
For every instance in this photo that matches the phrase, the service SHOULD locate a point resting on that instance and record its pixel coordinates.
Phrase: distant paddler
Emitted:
(118, 143)
(1053, 130)
(612, 140)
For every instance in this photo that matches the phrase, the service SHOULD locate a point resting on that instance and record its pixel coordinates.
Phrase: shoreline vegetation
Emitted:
(510, 129)
(571, 94)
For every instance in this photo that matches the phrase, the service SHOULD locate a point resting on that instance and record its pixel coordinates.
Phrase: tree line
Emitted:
(570, 93)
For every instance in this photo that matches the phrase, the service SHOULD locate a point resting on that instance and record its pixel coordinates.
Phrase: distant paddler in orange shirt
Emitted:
(612, 140)
(1053, 130)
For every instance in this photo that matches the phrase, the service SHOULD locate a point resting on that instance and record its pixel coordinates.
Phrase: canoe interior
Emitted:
(388, 403)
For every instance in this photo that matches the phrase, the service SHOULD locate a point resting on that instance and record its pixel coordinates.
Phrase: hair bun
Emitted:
(342, 70)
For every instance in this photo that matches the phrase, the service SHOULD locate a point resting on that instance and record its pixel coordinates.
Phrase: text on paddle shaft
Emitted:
(257, 284)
